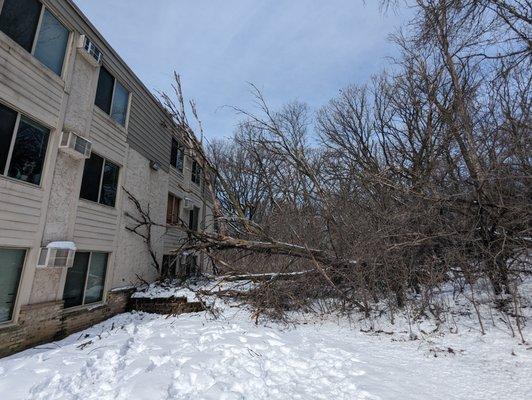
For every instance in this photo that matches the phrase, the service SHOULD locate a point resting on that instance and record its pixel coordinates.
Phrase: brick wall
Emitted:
(171, 305)
(44, 322)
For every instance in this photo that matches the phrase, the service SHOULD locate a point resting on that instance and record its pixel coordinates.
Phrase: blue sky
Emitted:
(304, 50)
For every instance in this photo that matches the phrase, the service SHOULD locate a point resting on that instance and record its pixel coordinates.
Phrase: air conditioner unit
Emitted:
(75, 145)
(57, 255)
(89, 50)
(188, 204)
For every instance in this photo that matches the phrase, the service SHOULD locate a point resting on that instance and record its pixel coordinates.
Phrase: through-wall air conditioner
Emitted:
(89, 50)
(188, 204)
(57, 255)
(75, 145)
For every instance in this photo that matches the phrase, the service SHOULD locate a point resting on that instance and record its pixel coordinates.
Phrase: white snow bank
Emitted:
(155, 291)
(175, 289)
(138, 356)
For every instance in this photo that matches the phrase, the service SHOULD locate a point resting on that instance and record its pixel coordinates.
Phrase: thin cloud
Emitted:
(293, 49)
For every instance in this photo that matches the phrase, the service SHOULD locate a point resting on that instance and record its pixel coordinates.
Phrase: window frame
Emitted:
(105, 159)
(128, 106)
(103, 299)
(180, 150)
(36, 36)
(196, 172)
(14, 313)
(174, 199)
(5, 173)
(194, 224)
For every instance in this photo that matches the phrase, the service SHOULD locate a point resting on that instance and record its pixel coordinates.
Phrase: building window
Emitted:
(172, 210)
(100, 180)
(169, 265)
(196, 173)
(85, 281)
(23, 144)
(36, 29)
(112, 97)
(193, 219)
(191, 266)
(11, 263)
(177, 155)
(104, 92)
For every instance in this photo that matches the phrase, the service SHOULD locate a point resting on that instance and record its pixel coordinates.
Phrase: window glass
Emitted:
(19, 20)
(75, 280)
(169, 209)
(51, 43)
(104, 92)
(177, 155)
(172, 212)
(29, 151)
(196, 173)
(8, 118)
(120, 101)
(92, 172)
(11, 263)
(61, 258)
(109, 184)
(96, 277)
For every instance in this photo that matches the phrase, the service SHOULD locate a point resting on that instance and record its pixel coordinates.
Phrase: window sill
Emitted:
(91, 203)
(102, 114)
(11, 324)
(9, 180)
(179, 171)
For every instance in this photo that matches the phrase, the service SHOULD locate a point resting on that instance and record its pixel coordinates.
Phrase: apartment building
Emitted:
(77, 127)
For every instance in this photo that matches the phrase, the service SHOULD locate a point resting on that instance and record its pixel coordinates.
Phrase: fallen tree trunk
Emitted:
(205, 241)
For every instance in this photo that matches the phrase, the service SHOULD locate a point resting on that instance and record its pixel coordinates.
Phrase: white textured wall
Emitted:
(150, 188)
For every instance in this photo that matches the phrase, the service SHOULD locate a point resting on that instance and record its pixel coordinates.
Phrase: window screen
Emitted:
(120, 101)
(51, 43)
(177, 155)
(96, 277)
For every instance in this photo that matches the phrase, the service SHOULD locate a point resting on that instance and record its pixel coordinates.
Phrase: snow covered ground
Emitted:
(144, 356)
(137, 356)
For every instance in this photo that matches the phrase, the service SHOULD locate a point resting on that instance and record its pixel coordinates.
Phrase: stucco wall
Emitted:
(67, 173)
(150, 188)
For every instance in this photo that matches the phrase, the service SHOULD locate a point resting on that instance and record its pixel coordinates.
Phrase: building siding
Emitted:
(33, 216)
(27, 86)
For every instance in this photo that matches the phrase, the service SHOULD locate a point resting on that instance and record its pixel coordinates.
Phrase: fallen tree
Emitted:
(418, 179)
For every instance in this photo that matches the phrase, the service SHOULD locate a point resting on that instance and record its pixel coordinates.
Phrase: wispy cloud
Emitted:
(292, 49)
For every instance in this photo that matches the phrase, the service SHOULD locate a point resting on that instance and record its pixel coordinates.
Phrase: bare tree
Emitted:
(418, 178)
